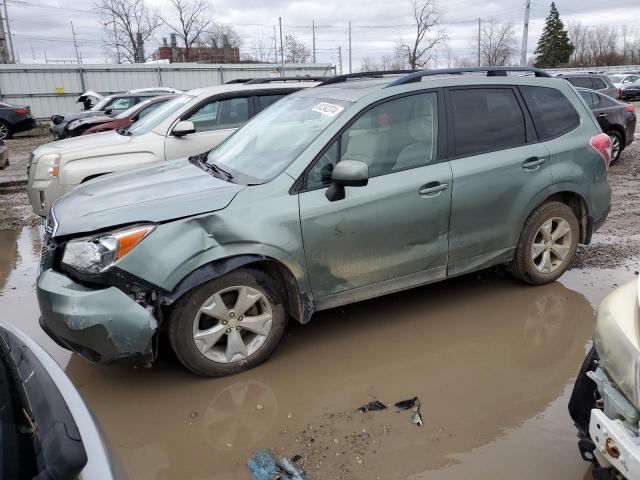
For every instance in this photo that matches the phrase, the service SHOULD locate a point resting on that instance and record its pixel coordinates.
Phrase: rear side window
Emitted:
(486, 119)
(604, 101)
(553, 114)
(584, 82)
(589, 98)
(598, 83)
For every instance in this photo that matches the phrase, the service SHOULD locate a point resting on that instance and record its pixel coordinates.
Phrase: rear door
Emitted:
(498, 166)
(214, 120)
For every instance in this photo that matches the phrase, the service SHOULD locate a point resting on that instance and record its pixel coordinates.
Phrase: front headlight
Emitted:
(96, 254)
(48, 166)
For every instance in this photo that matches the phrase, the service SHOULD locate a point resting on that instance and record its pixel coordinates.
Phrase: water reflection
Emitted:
(485, 357)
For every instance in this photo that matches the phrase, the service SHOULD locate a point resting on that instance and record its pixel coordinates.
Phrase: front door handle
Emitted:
(533, 163)
(432, 189)
(602, 115)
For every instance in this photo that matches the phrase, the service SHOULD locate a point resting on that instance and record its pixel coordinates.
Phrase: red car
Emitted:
(87, 126)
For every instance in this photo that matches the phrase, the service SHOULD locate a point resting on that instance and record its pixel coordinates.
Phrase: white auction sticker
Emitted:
(328, 109)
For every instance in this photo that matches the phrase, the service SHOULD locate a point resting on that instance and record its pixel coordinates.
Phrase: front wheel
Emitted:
(616, 145)
(547, 244)
(229, 324)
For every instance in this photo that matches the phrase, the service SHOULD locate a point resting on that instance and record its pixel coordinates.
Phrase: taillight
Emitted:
(602, 144)
(630, 108)
(21, 111)
(618, 92)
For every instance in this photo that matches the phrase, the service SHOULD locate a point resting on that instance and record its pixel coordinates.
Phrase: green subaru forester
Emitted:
(366, 185)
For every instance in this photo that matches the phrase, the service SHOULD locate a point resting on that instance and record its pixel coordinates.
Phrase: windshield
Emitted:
(101, 105)
(151, 121)
(131, 110)
(268, 143)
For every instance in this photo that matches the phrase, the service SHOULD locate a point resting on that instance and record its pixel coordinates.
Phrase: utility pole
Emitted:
(313, 32)
(275, 45)
(340, 59)
(479, 37)
(349, 46)
(281, 48)
(75, 44)
(525, 34)
(6, 16)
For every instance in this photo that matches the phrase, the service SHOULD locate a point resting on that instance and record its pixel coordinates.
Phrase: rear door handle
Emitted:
(602, 115)
(432, 189)
(533, 163)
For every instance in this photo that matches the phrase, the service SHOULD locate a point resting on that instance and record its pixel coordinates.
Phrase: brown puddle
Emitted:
(491, 360)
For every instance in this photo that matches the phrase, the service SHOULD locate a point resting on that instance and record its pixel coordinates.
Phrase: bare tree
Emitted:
(395, 61)
(294, 50)
(598, 46)
(225, 39)
(497, 43)
(262, 48)
(428, 36)
(127, 24)
(191, 19)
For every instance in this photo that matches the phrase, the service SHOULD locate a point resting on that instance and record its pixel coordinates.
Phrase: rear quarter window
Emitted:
(553, 114)
(584, 82)
(599, 84)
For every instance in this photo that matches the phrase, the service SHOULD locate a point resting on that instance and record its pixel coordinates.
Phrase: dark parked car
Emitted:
(631, 91)
(47, 430)
(104, 123)
(109, 105)
(592, 81)
(14, 119)
(617, 119)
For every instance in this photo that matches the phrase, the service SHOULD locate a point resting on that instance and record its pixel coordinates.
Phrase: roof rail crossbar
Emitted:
(256, 81)
(491, 72)
(375, 74)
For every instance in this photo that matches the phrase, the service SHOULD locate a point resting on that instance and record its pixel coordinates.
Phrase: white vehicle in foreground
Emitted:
(605, 403)
(189, 124)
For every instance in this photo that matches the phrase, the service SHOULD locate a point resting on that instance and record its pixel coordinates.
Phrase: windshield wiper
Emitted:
(123, 131)
(220, 171)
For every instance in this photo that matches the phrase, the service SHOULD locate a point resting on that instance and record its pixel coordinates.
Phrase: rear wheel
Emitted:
(228, 325)
(616, 145)
(547, 244)
(5, 130)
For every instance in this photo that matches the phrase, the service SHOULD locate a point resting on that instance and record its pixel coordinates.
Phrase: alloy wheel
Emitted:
(551, 245)
(232, 324)
(4, 131)
(615, 146)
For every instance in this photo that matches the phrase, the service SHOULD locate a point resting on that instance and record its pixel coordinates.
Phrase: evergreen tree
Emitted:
(554, 47)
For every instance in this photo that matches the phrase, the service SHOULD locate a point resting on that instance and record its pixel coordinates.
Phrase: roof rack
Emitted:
(375, 74)
(491, 72)
(256, 81)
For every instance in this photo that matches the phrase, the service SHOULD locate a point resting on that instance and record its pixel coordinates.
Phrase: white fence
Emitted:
(51, 89)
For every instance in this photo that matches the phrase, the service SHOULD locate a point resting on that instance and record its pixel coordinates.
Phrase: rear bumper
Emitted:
(24, 125)
(103, 325)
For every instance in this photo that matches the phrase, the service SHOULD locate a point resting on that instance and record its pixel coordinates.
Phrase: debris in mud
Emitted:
(407, 404)
(264, 465)
(416, 419)
(373, 406)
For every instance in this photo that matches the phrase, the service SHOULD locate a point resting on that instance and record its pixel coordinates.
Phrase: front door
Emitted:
(391, 233)
(214, 121)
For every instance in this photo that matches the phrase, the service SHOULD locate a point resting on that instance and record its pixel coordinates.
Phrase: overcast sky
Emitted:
(41, 28)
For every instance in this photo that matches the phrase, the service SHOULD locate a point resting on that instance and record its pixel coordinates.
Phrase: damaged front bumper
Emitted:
(101, 324)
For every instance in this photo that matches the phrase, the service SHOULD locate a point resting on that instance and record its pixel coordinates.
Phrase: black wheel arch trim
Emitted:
(299, 302)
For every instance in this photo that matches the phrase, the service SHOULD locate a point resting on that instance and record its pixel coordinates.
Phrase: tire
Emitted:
(222, 357)
(5, 130)
(533, 269)
(616, 138)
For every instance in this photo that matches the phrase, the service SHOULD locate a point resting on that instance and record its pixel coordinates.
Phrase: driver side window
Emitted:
(392, 136)
(220, 114)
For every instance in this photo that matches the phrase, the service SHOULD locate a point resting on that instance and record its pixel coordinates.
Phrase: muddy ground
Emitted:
(491, 360)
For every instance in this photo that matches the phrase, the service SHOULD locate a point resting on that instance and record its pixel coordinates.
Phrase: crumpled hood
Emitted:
(69, 117)
(616, 338)
(93, 120)
(157, 193)
(105, 143)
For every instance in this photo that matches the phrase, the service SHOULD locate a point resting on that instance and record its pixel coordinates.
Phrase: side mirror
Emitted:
(182, 128)
(347, 173)
(108, 110)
